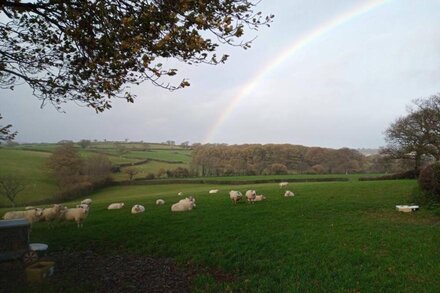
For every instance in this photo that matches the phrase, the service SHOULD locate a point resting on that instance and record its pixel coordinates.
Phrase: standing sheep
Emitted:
(250, 195)
(160, 202)
(235, 196)
(76, 214)
(50, 214)
(32, 215)
(284, 184)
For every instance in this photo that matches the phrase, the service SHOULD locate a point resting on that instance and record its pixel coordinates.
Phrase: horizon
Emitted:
(356, 72)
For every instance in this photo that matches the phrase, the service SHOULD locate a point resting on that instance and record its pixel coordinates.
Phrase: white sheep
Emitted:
(87, 201)
(235, 196)
(116, 206)
(180, 193)
(160, 202)
(32, 215)
(288, 193)
(83, 206)
(212, 191)
(76, 214)
(259, 197)
(250, 195)
(50, 214)
(137, 208)
(189, 199)
(284, 184)
(183, 205)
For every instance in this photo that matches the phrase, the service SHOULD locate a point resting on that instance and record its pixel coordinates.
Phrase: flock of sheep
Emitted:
(80, 212)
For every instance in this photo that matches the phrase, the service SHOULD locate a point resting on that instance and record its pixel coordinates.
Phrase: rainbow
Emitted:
(294, 47)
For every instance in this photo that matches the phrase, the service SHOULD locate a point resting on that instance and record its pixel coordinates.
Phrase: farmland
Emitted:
(331, 236)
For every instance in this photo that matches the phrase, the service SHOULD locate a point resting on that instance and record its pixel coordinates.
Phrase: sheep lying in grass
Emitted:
(137, 208)
(212, 191)
(284, 184)
(116, 206)
(235, 196)
(160, 202)
(180, 193)
(250, 195)
(184, 205)
(76, 214)
(32, 215)
(288, 193)
(87, 201)
(259, 197)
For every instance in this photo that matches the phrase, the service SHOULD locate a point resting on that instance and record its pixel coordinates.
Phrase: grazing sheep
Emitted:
(288, 193)
(183, 205)
(259, 197)
(116, 206)
(160, 202)
(235, 196)
(137, 208)
(50, 214)
(213, 191)
(284, 184)
(180, 194)
(32, 215)
(250, 195)
(87, 201)
(76, 214)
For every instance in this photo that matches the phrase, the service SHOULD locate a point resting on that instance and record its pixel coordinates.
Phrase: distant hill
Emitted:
(368, 152)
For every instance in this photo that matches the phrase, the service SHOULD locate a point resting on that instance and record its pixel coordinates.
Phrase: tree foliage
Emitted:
(91, 51)
(416, 135)
(6, 133)
(76, 176)
(272, 159)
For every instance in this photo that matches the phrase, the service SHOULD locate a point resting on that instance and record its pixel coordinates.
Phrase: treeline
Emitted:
(278, 159)
(76, 176)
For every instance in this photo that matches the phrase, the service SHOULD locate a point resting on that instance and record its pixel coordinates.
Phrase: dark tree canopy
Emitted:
(91, 51)
(417, 134)
(6, 133)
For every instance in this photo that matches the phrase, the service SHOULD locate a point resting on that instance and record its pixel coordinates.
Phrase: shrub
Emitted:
(429, 181)
(411, 174)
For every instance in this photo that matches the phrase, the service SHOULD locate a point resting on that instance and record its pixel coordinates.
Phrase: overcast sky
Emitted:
(342, 89)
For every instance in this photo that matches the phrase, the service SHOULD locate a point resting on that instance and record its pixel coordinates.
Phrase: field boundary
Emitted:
(141, 181)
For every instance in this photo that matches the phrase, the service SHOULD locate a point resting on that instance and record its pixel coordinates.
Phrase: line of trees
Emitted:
(273, 159)
(75, 175)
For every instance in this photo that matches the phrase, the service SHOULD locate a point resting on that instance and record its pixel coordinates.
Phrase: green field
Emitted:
(29, 162)
(338, 237)
(166, 155)
(31, 167)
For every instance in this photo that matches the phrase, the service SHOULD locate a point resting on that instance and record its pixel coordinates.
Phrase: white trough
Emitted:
(406, 208)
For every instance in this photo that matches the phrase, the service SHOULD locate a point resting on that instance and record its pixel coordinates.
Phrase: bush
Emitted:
(429, 181)
(411, 174)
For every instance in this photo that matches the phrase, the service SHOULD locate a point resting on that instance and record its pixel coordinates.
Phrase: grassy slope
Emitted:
(341, 236)
(167, 155)
(29, 165)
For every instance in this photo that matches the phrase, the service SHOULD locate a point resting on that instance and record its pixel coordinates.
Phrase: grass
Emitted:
(30, 166)
(167, 155)
(144, 169)
(339, 236)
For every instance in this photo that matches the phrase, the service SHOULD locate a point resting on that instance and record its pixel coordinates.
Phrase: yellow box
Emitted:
(40, 270)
